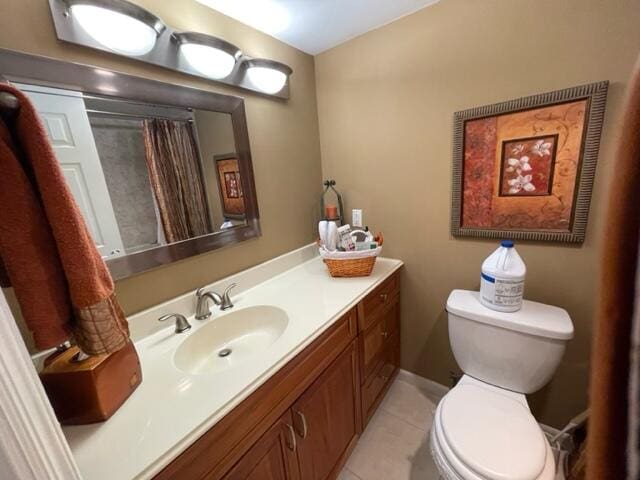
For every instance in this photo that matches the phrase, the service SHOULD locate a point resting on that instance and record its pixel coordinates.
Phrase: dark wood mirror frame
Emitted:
(20, 67)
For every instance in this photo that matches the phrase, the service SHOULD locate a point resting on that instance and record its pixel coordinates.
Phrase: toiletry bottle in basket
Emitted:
(345, 242)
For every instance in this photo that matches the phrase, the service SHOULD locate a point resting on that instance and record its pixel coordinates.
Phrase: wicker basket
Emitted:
(350, 267)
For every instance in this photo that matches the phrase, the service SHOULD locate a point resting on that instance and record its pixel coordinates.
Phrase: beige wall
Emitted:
(215, 137)
(385, 103)
(283, 137)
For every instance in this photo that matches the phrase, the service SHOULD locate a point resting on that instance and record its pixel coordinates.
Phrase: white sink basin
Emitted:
(230, 340)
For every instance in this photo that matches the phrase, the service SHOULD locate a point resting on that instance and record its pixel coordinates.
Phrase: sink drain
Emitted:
(225, 352)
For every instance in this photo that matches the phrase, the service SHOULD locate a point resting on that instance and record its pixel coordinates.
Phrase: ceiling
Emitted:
(314, 26)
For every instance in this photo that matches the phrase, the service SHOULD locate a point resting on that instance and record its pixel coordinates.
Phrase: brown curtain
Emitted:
(176, 179)
(610, 422)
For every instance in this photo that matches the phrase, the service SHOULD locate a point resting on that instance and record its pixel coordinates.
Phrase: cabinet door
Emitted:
(273, 457)
(327, 418)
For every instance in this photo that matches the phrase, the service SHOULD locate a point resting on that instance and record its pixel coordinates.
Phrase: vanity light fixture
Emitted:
(267, 76)
(119, 25)
(124, 28)
(210, 56)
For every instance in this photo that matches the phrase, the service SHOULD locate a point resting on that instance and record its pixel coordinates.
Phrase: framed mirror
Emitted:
(161, 172)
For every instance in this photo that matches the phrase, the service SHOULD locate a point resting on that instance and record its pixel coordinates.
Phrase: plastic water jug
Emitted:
(502, 279)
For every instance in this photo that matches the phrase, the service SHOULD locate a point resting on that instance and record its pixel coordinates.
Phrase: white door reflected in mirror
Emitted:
(67, 124)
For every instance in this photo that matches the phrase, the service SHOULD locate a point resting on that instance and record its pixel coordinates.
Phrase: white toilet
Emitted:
(483, 428)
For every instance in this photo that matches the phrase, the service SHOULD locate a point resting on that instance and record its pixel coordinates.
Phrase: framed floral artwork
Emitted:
(231, 184)
(524, 169)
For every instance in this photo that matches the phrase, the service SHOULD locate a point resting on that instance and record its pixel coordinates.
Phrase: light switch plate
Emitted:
(356, 217)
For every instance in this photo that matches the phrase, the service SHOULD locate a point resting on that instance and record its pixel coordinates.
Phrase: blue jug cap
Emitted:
(506, 243)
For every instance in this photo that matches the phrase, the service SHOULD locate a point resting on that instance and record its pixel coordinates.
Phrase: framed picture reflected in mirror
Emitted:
(230, 186)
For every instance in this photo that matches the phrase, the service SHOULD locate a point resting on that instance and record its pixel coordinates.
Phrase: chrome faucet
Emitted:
(182, 325)
(202, 304)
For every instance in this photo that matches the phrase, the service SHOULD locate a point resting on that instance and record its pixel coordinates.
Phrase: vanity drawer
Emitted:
(374, 389)
(376, 340)
(374, 304)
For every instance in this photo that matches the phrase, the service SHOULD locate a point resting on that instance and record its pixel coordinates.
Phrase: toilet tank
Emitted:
(517, 351)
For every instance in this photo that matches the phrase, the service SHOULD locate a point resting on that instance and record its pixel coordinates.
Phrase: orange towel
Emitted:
(62, 284)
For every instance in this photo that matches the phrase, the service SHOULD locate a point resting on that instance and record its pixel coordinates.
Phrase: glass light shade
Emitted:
(116, 31)
(267, 79)
(209, 61)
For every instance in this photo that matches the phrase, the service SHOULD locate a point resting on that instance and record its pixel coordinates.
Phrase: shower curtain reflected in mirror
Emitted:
(176, 179)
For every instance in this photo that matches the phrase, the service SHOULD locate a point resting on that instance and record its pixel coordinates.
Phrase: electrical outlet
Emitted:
(356, 217)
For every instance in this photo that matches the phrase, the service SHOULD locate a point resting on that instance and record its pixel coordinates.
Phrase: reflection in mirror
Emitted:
(143, 175)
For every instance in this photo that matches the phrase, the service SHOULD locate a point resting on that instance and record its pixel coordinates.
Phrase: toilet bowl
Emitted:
(481, 433)
(483, 428)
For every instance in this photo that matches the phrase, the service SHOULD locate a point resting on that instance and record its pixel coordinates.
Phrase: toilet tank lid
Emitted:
(533, 318)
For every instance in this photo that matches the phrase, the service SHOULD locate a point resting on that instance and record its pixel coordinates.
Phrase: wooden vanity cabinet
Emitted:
(312, 439)
(303, 423)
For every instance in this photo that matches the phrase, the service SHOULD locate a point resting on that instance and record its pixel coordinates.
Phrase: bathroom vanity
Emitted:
(305, 420)
(292, 410)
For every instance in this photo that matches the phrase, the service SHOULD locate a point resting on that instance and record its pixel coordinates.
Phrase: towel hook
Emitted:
(9, 103)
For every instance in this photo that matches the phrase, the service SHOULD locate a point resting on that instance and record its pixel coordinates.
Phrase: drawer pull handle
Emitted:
(303, 430)
(385, 334)
(383, 297)
(291, 441)
(384, 378)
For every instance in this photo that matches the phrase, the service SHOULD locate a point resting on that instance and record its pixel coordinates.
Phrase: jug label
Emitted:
(503, 293)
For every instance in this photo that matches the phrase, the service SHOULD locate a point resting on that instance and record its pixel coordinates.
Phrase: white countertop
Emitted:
(171, 409)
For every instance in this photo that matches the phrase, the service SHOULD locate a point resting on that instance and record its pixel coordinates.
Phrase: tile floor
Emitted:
(395, 444)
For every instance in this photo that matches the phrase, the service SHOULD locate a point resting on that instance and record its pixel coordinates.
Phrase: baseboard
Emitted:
(435, 389)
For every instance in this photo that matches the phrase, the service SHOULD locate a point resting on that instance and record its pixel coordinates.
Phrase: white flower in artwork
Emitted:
(541, 148)
(521, 183)
(518, 165)
(518, 149)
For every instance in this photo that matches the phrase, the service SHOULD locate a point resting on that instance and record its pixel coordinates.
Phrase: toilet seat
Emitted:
(482, 434)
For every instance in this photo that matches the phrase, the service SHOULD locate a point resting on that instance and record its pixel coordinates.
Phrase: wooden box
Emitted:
(90, 390)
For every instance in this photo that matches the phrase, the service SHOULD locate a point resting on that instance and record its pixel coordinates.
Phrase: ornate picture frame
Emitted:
(230, 186)
(524, 169)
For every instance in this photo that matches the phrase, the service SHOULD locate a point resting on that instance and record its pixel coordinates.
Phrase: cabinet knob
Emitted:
(384, 378)
(302, 431)
(383, 297)
(385, 334)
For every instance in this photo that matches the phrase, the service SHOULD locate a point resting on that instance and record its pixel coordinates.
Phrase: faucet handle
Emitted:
(182, 324)
(226, 300)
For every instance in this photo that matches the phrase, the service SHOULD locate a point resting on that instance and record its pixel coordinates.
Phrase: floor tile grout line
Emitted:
(434, 397)
(353, 473)
(402, 419)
